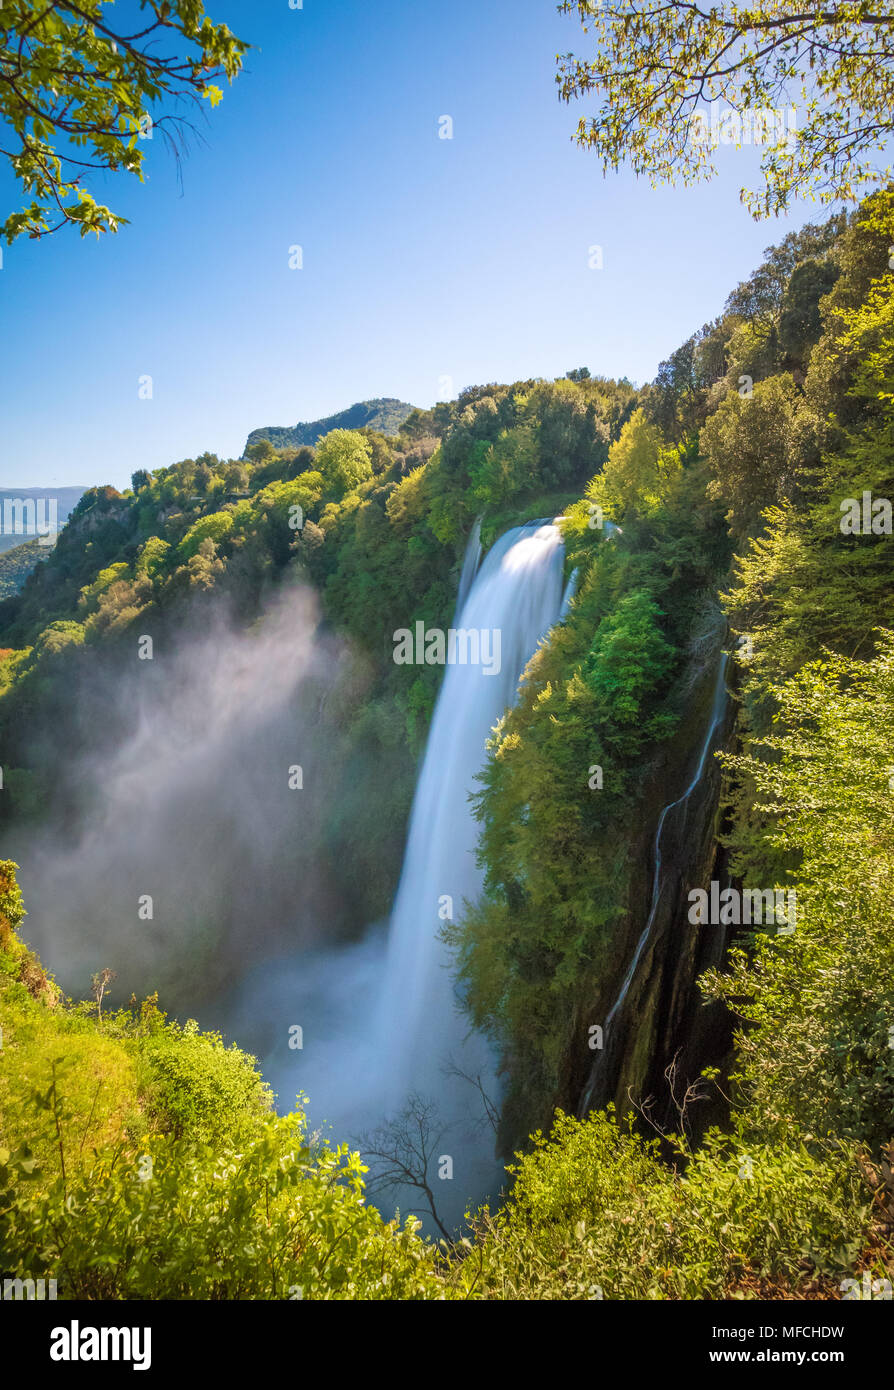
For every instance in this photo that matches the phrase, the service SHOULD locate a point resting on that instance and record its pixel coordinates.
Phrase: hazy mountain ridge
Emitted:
(66, 499)
(384, 413)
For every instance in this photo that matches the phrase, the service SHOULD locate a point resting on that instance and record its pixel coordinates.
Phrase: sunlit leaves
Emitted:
(657, 67)
(77, 95)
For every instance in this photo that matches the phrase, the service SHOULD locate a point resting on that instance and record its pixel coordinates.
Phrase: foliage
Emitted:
(658, 66)
(198, 1086)
(343, 459)
(594, 1214)
(79, 92)
(632, 480)
(214, 527)
(139, 1159)
(750, 444)
(274, 1218)
(817, 1053)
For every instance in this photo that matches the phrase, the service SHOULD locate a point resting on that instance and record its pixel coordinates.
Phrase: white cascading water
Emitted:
(381, 1020)
(518, 594)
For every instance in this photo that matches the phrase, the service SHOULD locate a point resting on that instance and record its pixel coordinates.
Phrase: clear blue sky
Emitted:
(423, 258)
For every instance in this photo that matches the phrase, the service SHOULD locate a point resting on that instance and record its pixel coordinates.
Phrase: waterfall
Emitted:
(516, 593)
(470, 565)
(381, 1020)
(718, 711)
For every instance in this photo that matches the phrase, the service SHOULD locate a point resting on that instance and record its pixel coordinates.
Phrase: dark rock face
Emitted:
(384, 414)
(662, 1016)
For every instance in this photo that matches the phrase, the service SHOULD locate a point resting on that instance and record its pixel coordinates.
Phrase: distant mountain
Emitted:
(23, 508)
(384, 414)
(17, 562)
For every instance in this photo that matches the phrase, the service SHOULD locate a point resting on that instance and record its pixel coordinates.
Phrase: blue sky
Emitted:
(423, 258)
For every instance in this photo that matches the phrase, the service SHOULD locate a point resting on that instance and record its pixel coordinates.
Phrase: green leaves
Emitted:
(818, 1056)
(596, 1203)
(73, 95)
(751, 444)
(657, 70)
(343, 459)
(629, 661)
(214, 1222)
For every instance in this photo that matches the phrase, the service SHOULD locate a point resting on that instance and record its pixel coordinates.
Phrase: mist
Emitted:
(190, 853)
(210, 857)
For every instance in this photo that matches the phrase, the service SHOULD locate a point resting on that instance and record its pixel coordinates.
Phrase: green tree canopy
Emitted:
(630, 479)
(751, 443)
(658, 65)
(80, 92)
(343, 458)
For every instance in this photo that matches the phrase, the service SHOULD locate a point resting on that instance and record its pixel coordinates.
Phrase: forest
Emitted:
(546, 961)
(759, 1163)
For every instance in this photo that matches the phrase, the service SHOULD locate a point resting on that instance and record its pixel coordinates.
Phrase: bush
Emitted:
(196, 1086)
(271, 1219)
(595, 1214)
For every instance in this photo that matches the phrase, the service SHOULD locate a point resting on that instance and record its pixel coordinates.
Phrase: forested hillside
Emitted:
(737, 485)
(16, 563)
(385, 416)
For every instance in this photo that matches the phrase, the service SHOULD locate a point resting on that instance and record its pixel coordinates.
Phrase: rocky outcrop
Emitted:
(662, 1016)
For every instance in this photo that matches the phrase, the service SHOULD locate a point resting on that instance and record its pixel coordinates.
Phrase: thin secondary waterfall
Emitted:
(718, 711)
(470, 565)
(516, 596)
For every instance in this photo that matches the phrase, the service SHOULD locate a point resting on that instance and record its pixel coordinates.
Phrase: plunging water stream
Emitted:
(517, 593)
(381, 1020)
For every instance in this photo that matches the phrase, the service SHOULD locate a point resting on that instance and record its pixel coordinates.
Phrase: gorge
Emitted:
(478, 870)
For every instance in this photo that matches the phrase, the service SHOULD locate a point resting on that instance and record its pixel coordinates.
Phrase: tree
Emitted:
(153, 557)
(659, 64)
(800, 323)
(505, 468)
(751, 444)
(675, 390)
(631, 477)
(401, 1150)
(629, 661)
(57, 636)
(823, 995)
(80, 92)
(216, 526)
(759, 299)
(99, 983)
(343, 458)
(236, 477)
